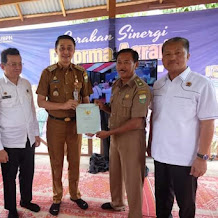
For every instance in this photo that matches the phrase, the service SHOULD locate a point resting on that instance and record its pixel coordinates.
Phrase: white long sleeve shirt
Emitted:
(178, 107)
(17, 114)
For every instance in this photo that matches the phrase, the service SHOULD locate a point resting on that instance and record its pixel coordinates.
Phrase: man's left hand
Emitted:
(89, 134)
(102, 134)
(3, 156)
(199, 167)
(37, 141)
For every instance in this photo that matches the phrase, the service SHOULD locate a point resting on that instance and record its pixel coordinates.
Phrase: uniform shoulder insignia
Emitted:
(139, 82)
(78, 67)
(52, 67)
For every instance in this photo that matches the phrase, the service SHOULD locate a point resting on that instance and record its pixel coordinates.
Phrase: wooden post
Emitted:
(90, 147)
(101, 147)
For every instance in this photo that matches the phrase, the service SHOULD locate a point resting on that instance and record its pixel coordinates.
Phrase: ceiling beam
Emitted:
(63, 8)
(19, 11)
(75, 11)
(180, 3)
(8, 2)
(96, 11)
(134, 2)
(79, 10)
(162, 6)
(49, 18)
(111, 8)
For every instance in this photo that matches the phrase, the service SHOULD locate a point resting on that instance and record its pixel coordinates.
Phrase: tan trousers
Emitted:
(58, 133)
(127, 166)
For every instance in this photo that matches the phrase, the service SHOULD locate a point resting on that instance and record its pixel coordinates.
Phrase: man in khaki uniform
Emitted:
(129, 104)
(61, 88)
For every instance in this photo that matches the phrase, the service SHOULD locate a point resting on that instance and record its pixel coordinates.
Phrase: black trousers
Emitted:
(104, 126)
(22, 159)
(170, 181)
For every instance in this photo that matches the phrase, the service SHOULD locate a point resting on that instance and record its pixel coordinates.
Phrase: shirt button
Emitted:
(66, 83)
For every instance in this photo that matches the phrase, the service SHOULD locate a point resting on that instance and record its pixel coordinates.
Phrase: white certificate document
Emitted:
(88, 118)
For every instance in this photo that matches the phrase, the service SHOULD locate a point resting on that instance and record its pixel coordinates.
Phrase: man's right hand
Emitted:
(99, 103)
(3, 156)
(149, 151)
(70, 104)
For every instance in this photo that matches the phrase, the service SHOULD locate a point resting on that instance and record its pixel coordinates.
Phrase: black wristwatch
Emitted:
(203, 156)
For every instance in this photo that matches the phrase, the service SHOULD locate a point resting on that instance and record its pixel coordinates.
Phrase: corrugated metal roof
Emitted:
(83, 4)
(8, 11)
(39, 7)
(48, 6)
(10, 15)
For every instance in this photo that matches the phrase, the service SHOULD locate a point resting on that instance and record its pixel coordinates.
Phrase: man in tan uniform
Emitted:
(61, 88)
(129, 104)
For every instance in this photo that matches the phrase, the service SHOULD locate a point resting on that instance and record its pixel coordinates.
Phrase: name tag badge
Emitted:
(6, 96)
(55, 81)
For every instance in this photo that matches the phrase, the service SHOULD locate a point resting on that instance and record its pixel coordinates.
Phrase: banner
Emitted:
(96, 41)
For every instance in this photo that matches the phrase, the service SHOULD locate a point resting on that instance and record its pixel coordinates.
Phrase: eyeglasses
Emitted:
(15, 64)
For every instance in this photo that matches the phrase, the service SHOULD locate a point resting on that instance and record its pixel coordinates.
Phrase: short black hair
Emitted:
(134, 53)
(64, 37)
(6, 52)
(184, 41)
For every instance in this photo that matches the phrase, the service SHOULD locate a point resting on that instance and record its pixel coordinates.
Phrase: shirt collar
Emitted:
(130, 82)
(7, 80)
(185, 73)
(182, 75)
(71, 66)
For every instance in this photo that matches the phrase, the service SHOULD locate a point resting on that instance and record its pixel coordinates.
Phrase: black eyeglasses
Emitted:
(15, 64)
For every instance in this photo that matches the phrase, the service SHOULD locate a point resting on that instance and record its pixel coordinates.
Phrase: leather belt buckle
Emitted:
(67, 119)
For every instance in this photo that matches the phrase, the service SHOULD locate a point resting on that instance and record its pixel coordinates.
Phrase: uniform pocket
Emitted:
(184, 105)
(55, 90)
(28, 96)
(126, 107)
(6, 103)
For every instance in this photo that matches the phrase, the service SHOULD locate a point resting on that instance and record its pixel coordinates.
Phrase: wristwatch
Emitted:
(203, 156)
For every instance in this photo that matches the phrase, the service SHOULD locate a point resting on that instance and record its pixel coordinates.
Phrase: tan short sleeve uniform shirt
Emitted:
(129, 101)
(59, 84)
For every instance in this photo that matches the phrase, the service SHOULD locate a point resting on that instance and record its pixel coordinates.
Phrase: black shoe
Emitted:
(54, 209)
(81, 203)
(30, 206)
(146, 171)
(13, 214)
(107, 206)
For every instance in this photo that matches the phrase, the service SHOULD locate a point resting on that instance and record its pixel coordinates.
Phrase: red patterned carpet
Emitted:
(207, 197)
(95, 190)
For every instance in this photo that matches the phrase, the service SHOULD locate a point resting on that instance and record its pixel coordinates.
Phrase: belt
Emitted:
(66, 119)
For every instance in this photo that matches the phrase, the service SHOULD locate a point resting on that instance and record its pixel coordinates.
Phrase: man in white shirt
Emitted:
(184, 109)
(107, 92)
(19, 133)
(97, 93)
